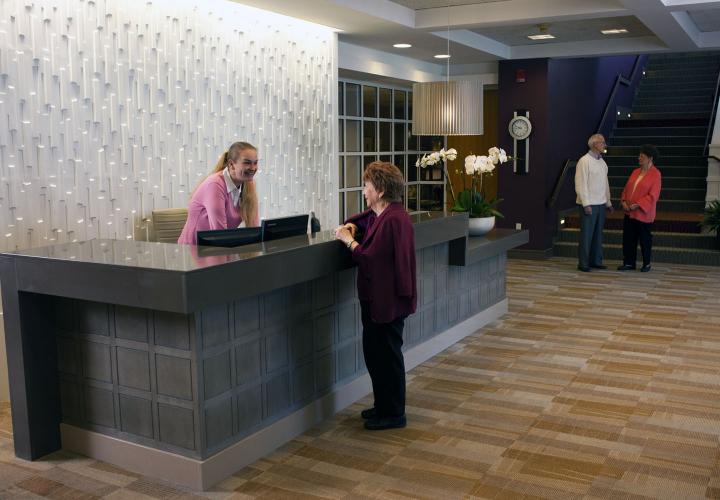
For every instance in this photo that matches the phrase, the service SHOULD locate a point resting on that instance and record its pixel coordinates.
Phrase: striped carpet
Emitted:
(600, 385)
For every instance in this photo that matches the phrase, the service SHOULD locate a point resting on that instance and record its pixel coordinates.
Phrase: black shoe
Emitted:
(626, 267)
(379, 424)
(368, 414)
(646, 268)
(599, 266)
(584, 269)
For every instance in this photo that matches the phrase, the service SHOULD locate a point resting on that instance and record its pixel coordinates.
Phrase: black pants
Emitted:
(382, 349)
(634, 230)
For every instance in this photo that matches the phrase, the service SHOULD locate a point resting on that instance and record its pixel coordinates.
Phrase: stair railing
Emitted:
(619, 80)
(711, 124)
(560, 182)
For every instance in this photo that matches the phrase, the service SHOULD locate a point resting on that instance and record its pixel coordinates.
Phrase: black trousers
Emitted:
(382, 349)
(634, 231)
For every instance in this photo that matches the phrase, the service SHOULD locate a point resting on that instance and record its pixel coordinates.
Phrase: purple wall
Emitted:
(566, 99)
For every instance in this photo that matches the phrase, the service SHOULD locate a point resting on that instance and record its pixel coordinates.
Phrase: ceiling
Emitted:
(490, 30)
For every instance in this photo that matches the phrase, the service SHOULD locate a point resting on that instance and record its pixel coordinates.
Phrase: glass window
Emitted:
(399, 104)
(341, 99)
(367, 160)
(353, 172)
(431, 197)
(399, 162)
(385, 102)
(412, 203)
(412, 140)
(409, 105)
(341, 171)
(385, 136)
(341, 133)
(353, 202)
(387, 158)
(399, 136)
(369, 101)
(352, 135)
(431, 142)
(352, 99)
(369, 134)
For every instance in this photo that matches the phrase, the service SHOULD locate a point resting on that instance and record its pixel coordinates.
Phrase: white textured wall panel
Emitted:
(110, 109)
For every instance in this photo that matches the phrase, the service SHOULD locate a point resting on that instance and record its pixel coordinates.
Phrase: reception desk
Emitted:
(188, 363)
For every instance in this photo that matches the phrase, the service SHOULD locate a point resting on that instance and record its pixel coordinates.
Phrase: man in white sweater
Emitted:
(593, 198)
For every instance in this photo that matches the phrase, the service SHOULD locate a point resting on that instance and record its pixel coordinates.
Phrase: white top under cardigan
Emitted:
(591, 182)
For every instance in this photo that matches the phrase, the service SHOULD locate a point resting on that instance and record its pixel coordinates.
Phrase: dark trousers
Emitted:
(591, 229)
(634, 231)
(382, 349)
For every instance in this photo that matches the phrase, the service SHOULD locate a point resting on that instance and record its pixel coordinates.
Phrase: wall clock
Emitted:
(520, 128)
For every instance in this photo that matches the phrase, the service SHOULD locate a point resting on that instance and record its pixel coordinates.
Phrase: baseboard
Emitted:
(203, 474)
(530, 254)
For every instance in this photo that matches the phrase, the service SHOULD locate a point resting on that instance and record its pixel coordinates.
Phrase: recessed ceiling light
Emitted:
(402, 45)
(546, 36)
(442, 56)
(615, 31)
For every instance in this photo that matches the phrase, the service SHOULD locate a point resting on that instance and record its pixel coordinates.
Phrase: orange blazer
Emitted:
(646, 194)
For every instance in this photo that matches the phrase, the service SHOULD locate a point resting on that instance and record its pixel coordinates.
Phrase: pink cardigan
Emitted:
(211, 207)
(646, 194)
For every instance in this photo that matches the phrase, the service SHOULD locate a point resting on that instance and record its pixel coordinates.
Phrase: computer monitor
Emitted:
(230, 237)
(284, 227)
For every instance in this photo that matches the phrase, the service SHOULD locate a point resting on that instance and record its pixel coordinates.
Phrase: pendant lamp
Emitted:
(449, 107)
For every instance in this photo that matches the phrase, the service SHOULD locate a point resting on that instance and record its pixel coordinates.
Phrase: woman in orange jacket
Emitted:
(639, 201)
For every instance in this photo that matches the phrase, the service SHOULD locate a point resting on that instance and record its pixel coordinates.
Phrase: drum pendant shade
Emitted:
(448, 108)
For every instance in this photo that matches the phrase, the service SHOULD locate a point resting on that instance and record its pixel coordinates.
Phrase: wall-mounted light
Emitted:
(442, 56)
(402, 45)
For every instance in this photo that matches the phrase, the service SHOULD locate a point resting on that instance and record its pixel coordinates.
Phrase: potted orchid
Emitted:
(436, 157)
(482, 211)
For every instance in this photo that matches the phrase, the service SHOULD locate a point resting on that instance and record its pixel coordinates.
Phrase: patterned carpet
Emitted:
(600, 385)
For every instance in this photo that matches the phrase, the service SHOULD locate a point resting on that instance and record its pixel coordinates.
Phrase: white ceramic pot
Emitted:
(478, 226)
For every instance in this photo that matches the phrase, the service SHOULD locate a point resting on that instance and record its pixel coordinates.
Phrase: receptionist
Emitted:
(227, 197)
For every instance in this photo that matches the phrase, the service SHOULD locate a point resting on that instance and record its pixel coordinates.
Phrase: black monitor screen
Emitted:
(284, 227)
(230, 237)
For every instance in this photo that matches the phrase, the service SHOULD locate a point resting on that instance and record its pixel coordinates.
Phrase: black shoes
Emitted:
(627, 267)
(600, 266)
(646, 268)
(584, 269)
(380, 424)
(368, 414)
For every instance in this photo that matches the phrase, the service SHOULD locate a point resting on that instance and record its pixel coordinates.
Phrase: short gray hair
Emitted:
(595, 138)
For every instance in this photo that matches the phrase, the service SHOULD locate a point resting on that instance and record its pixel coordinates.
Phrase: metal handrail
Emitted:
(620, 80)
(569, 164)
(711, 124)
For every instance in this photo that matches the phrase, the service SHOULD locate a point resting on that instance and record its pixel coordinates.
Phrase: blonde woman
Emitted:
(227, 196)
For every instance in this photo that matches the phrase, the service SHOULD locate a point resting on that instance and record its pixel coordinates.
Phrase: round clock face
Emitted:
(519, 127)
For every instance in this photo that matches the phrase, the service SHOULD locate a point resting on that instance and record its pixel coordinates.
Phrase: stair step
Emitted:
(694, 183)
(668, 115)
(692, 256)
(664, 150)
(669, 225)
(681, 99)
(672, 108)
(665, 161)
(676, 140)
(668, 193)
(681, 171)
(660, 239)
(701, 70)
(674, 119)
(678, 86)
(679, 77)
(660, 131)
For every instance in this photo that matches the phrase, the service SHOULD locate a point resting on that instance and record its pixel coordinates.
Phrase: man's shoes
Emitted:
(626, 267)
(369, 413)
(645, 268)
(584, 269)
(599, 266)
(380, 424)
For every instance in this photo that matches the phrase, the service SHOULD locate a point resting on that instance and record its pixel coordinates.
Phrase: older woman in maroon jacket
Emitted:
(382, 243)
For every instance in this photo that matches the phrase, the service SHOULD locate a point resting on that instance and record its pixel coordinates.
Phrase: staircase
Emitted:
(672, 109)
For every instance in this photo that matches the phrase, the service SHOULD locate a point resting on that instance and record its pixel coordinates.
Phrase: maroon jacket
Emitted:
(386, 262)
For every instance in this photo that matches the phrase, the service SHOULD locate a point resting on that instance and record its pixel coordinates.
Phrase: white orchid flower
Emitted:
(470, 164)
(489, 166)
(502, 156)
(421, 161)
(451, 154)
(494, 154)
